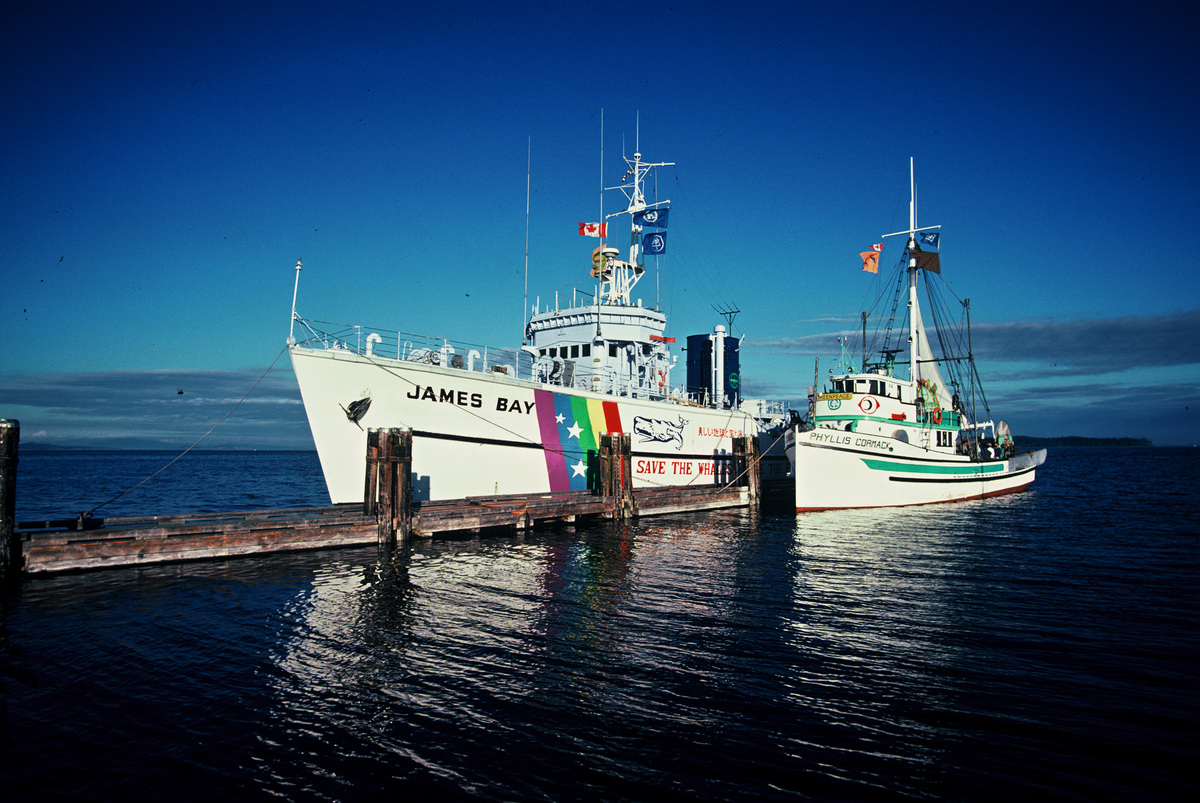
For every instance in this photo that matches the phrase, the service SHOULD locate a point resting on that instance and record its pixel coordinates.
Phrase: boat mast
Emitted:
(913, 312)
(525, 299)
(291, 341)
(624, 275)
(864, 340)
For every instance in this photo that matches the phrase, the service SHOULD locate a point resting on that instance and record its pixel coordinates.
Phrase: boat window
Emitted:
(553, 351)
(874, 388)
(541, 352)
(574, 352)
(587, 350)
(612, 349)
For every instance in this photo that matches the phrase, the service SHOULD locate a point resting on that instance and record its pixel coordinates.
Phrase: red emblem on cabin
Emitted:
(868, 404)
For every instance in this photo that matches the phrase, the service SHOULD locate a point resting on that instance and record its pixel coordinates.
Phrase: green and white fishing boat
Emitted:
(882, 439)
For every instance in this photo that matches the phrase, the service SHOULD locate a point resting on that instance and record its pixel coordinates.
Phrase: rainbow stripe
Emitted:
(570, 430)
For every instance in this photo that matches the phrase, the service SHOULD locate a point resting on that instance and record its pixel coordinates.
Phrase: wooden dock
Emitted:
(388, 515)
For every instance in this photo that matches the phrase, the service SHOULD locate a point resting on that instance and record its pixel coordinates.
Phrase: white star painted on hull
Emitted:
(575, 430)
(580, 469)
(559, 418)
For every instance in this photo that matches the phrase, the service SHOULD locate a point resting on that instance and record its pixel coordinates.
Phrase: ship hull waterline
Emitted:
(871, 471)
(482, 433)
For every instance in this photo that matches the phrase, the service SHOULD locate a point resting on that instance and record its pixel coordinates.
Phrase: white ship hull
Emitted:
(836, 469)
(482, 433)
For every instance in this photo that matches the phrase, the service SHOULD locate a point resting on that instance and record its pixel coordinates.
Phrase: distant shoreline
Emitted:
(1074, 440)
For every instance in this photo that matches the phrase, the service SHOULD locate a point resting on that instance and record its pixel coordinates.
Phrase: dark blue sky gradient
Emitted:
(166, 167)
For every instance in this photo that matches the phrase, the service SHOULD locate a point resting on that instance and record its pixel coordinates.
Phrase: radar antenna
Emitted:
(728, 313)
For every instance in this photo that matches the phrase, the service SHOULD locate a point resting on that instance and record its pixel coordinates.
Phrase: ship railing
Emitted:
(410, 347)
(378, 343)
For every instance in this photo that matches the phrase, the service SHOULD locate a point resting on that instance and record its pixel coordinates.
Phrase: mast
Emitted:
(618, 277)
(864, 341)
(525, 299)
(602, 168)
(913, 310)
(291, 341)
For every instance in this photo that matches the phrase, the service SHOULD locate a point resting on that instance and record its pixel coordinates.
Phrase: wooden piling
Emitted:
(10, 543)
(616, 473)
(388, 492)
(754, 469)
(628, 505)
(604, 466)
(402, 497)
(746, 469)
(387, 482)
(370, 487)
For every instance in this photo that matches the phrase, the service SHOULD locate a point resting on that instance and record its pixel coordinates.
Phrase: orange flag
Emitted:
(870, 261)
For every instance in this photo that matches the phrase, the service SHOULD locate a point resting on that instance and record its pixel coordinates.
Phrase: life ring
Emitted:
(937, 415)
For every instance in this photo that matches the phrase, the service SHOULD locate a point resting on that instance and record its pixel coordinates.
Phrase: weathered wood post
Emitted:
(746, 465)
(737, 461)
(383, 504)
(616, 473)
(10, 542)
(605, 461)
(754, 469)
(628, 502)
(403, 491)
(393, 507)
(371, 484)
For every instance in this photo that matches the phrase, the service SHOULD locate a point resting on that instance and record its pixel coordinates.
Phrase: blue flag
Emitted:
(930, 238)
(655, 243)
(652, 217)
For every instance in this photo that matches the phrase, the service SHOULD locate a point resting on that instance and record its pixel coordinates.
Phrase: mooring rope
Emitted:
(88, 513)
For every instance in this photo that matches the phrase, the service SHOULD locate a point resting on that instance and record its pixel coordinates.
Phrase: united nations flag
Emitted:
(654, 243)
(656, 218)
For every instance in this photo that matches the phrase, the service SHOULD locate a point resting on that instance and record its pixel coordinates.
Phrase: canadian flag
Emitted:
(593, 229)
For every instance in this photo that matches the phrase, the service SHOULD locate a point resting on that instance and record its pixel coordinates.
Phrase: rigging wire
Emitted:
(951, 333)
(88, 513)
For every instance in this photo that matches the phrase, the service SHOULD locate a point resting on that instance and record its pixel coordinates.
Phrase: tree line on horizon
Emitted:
(1075, 440)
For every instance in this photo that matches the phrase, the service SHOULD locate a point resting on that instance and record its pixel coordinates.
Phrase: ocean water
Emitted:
(1040, 646)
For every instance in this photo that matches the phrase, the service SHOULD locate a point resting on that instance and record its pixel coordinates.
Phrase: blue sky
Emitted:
(164, 168)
